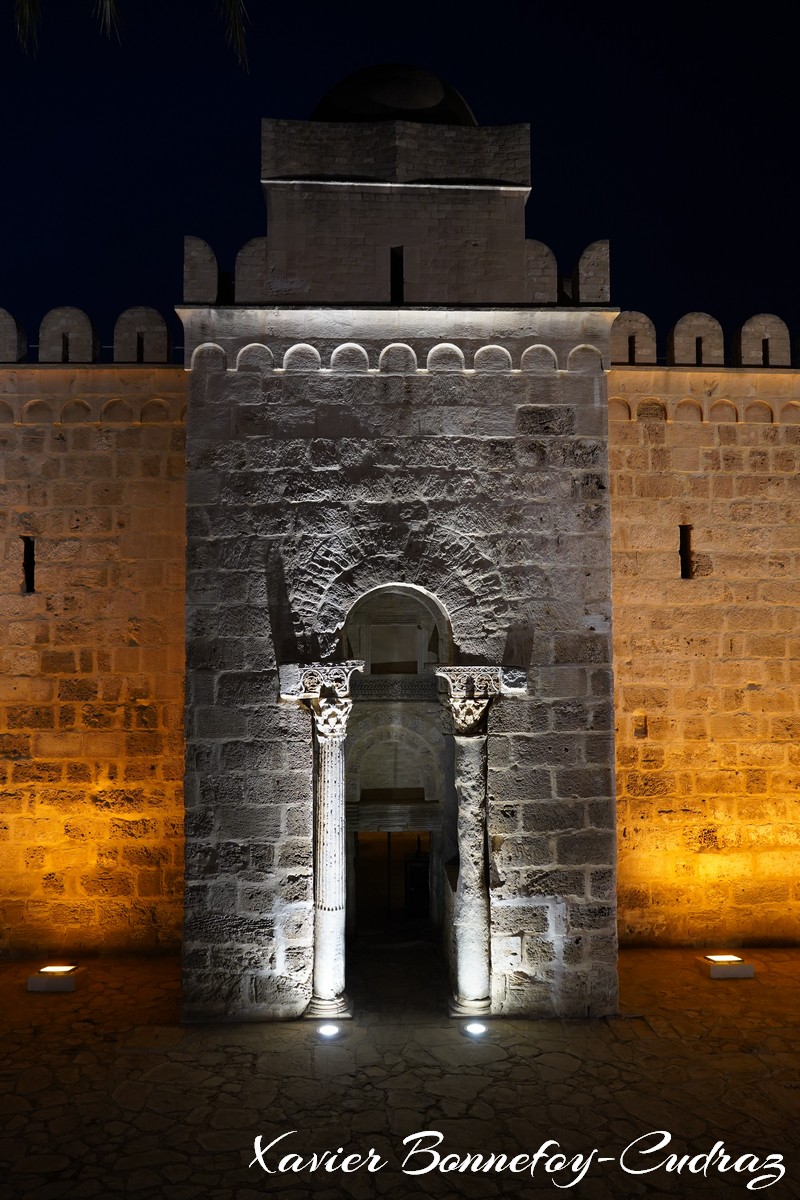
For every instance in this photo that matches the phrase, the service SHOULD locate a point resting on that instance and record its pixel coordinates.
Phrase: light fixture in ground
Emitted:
(55, 977)
(474, 1029)
(726, 966)
(328, 1031)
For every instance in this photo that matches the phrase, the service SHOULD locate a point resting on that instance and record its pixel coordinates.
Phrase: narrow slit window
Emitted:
(65, 347)
(631, 349)
(698, 351)
(765, 351)
(685, 551)
(140, 347)
(28, 564)
(396, 275)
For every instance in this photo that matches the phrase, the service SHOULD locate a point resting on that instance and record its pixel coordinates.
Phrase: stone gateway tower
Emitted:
(398, 592)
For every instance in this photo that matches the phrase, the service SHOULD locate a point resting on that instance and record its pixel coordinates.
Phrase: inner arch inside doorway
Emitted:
(398, 629)
(400, 795)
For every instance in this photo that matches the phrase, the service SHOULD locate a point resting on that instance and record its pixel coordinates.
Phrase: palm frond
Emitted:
(234, 14)
(108, 13)
(28, 15)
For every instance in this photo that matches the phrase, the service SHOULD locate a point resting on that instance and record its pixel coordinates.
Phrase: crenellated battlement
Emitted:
(697, 340)
(67, 335)
(527, 274)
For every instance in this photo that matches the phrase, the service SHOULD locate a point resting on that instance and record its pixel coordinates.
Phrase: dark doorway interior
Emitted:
(394, 960)
(392, 883)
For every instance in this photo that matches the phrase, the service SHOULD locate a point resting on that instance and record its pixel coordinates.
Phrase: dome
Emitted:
(394, 92)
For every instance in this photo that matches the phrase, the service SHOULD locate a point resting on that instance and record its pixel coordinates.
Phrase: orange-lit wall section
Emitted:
(91, 661)
(707, 667)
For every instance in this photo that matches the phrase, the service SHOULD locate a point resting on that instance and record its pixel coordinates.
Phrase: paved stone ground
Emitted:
(104, 1093)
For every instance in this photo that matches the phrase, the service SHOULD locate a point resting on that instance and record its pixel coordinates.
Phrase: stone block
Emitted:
(591, 847)
(545, 420)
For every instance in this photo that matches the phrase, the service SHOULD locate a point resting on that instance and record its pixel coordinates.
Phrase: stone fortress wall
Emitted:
(91, 639)
(706, 666)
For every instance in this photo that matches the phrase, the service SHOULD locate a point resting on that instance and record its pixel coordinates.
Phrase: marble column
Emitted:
(471, 690)
(325, 690)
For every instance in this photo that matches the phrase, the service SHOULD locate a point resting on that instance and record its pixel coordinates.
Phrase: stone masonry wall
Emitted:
(461, 245)
(707, 668)
(417, 231)
(395, 151)
(484, 483)
(91, 661)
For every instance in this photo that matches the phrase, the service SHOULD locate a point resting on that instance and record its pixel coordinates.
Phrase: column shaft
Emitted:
(324, 688)
(471, 916)
(471, 691)
(329, 870)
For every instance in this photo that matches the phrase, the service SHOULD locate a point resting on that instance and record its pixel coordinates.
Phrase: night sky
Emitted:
(674, 139)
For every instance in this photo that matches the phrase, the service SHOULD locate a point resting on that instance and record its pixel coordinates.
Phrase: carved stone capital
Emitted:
(324, 688)
(471, 691)
(467, 713)
(330, 716)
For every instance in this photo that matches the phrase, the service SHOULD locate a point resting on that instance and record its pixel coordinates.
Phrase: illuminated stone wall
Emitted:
(707, 667)
(91, 662)
(476, 472)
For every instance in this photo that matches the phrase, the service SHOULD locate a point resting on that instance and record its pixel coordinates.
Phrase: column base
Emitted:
(469, 1008)
(319, 1009)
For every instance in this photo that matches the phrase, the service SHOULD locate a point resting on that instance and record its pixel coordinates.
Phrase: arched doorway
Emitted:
(398, 629)
(419, 733)
(400, 800)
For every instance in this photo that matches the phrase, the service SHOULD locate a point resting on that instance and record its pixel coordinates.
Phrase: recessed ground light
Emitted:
(328, 1031)
(54, 977)
(474, 1029)
(726, 966)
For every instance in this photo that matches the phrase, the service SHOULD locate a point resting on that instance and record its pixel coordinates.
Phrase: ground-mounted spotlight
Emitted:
(474, 1029)
(726, 966)
(328, 1031)
(55, 977)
